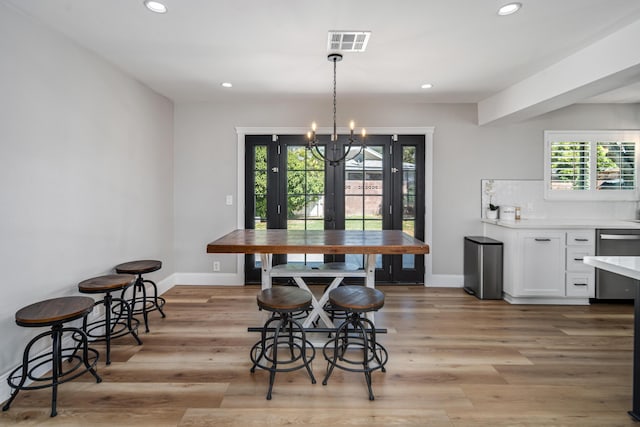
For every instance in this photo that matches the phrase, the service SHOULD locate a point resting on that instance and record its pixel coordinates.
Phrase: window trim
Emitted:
(591, 136)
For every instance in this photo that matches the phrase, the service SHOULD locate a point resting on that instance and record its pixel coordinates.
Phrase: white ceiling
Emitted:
(278, 47)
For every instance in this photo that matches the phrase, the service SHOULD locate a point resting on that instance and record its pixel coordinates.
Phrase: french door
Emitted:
(380, 187)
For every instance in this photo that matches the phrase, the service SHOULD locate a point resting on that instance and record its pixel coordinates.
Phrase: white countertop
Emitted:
(566, 223)
(628, 266)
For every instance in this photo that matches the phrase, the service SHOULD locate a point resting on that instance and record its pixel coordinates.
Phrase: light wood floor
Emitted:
(454, 361)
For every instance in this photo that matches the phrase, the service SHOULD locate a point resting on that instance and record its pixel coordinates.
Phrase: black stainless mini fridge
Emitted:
(483, 267)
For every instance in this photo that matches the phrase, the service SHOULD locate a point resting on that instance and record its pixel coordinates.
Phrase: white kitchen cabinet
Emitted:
(544, 266)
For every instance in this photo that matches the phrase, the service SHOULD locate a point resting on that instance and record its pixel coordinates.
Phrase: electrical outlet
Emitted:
(216, 265)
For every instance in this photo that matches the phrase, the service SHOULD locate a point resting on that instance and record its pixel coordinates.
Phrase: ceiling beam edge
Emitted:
(607, 64)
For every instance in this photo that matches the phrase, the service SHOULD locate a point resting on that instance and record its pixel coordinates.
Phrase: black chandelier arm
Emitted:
(315, 151)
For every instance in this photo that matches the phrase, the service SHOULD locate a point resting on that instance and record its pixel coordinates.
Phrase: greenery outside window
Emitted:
(591, 165)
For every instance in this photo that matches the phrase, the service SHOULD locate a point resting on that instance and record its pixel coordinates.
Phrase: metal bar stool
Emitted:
(54, 313)
(355, 333)
(143, 304)
(282, 330)
(108, 328)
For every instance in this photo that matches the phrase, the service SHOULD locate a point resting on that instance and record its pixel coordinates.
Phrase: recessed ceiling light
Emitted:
(226, 84)
(155, 6)
(509, 8)
(426, 86)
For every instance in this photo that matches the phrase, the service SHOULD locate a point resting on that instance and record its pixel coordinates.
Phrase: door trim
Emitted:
(427, 131)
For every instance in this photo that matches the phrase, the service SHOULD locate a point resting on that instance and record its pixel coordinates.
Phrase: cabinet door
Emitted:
(543, 260)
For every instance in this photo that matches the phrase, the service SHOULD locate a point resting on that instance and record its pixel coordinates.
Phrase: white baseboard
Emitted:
(444, 281)
(208, 279)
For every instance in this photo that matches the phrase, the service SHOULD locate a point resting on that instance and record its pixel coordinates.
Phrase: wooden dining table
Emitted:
(267, 243)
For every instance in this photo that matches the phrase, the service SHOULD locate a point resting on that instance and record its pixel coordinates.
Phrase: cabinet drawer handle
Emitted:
(580, 284)
(578, 259)
(581, 240)
(619, 237)
(540, 239)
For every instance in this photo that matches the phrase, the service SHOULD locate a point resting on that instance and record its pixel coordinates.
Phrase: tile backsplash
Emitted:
(529, 196)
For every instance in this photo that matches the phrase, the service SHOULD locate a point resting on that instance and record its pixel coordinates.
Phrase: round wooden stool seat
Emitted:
(53, 311)
(101, 284)
(140, 301)
(356, 298)
(118, 320)
(284, 299)
(139, 267)
(65, 363)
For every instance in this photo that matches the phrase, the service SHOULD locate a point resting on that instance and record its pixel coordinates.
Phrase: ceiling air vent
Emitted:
(348, 41)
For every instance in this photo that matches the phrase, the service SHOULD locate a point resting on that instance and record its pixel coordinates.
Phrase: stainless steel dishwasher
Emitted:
(616, 242)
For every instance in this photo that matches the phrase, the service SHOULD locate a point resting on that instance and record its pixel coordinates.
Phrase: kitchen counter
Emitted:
(565, 223)
(628, 266)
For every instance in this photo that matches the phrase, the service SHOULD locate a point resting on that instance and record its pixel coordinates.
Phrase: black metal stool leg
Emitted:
(365, 355)
(355, 331)
(107, 325)
(56, 365)
(337, 342)
(85, 358)
(261, 344)
(307, 363)
(139, 285)
(274, 355)
(25, 370)
(129, 308)
(156, 297)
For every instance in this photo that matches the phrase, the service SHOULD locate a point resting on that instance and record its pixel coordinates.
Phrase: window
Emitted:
(591, 165)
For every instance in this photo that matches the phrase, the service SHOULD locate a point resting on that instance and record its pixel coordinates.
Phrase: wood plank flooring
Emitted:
(454, 361)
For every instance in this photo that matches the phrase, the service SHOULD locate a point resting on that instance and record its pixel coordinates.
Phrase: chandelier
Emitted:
(313, 145)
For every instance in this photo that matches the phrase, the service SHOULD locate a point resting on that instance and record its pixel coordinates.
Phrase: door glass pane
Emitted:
(363, 185)
(373, 225)
(305, 197)
(363, 195)
(259, 193)
(260, 186)
(408, 199)
(261, 212)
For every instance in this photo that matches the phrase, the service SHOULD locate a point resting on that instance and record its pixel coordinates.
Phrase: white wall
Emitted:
(464, 153)
(86, 173)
